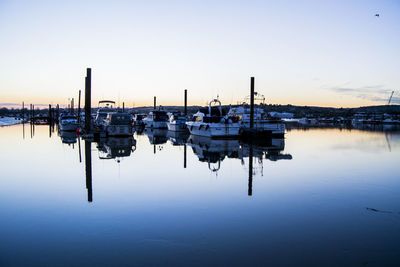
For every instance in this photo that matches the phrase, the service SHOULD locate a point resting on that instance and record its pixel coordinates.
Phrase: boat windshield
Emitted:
(119, 118)
(160, 116)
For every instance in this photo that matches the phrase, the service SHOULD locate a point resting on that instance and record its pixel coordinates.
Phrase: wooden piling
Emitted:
(155, 103)
(123, 106)
(79, 107)
(185, 103)
(251, 102)
(88, 99)
(49, 114)
(23, 111)
(57, 112)
(79, 146)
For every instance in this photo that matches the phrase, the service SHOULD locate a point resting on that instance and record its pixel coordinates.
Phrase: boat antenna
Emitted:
(390, 98)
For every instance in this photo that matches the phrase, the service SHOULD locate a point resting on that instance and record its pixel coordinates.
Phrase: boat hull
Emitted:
(156, 124)
(214, 130)
(177, 127)
(272, 128)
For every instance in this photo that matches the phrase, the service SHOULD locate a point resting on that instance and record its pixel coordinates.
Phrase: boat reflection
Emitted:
(139, 130)
(213, 151)
(68, 137)
(178, 138)
(157, 136)
(108, 148)
(269, 149)
(116, 147)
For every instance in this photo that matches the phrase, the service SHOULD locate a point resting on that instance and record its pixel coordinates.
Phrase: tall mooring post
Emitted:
(88, 99)
(50, 115)
(251, 102)
(155, 103)
(79, 107)
(57, 112)
(23, 111)
(185, 109)
(123, 106)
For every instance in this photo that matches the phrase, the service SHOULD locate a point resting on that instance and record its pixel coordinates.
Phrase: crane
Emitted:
(390, 98)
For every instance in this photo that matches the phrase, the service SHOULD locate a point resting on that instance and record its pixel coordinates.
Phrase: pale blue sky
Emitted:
(329, 53)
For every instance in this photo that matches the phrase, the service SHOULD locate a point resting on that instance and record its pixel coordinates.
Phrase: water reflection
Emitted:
(348, 196)
(88, 170)
(68, 137)
(213, 151)
(178, 138)
(116, 147)
(157, 136)
(360, 126)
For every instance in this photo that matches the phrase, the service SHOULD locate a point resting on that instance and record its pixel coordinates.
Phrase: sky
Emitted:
(315, 53)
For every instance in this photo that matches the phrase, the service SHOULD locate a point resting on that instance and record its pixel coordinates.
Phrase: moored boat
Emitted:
(157, 119)
(118, 124)
(177, 122)
(262, 123)
(105, 107)
(214, 124)
(68, 122)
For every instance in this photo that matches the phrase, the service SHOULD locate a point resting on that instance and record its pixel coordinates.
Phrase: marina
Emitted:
(199, 133)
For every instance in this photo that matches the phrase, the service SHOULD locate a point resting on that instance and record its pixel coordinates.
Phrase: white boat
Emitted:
(177, 122)
(157, 119)
(68, 122)
(262, 123)
(102, 112)
(213, 125)
(118, 124)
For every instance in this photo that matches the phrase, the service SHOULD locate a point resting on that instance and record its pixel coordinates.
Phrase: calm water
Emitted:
(317, 197)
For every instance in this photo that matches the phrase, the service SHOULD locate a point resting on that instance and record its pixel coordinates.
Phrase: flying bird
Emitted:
(377, 15)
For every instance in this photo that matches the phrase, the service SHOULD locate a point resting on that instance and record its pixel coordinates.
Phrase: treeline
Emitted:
(298, 111)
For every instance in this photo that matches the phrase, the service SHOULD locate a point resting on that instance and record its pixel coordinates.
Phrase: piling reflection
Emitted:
(88, 169)
(269, 148)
